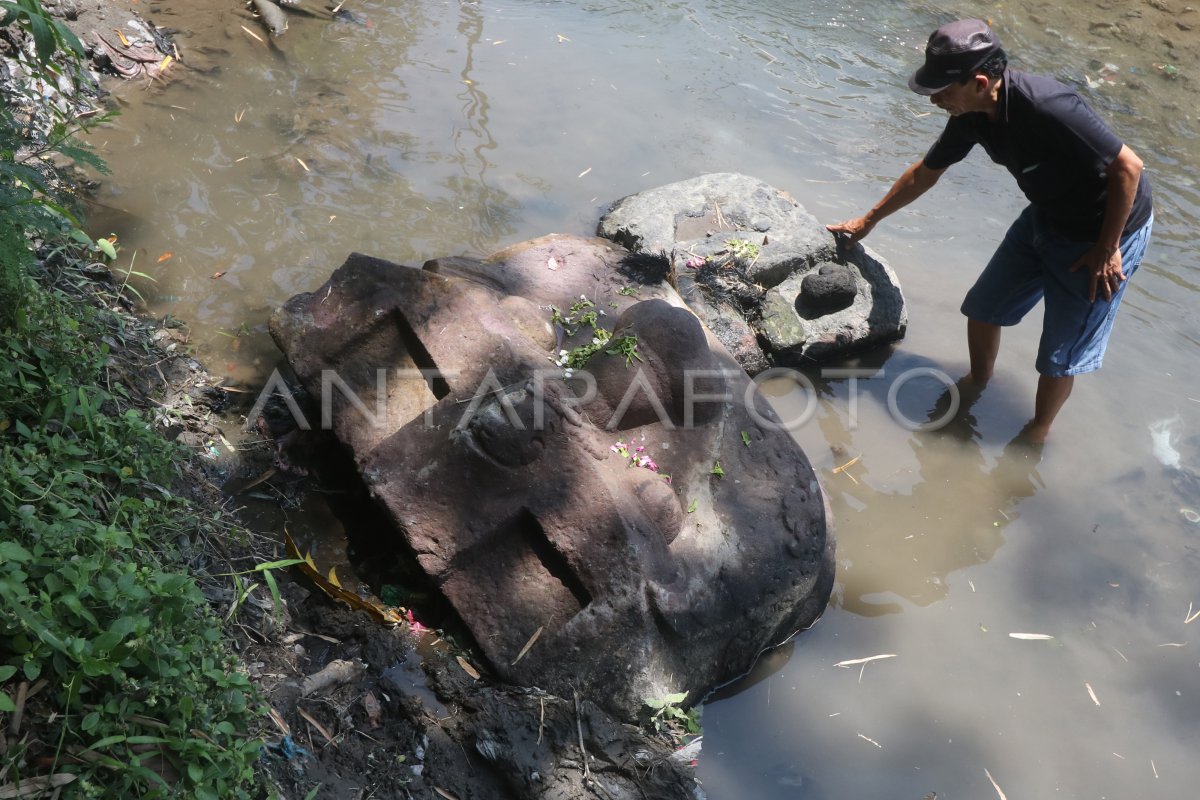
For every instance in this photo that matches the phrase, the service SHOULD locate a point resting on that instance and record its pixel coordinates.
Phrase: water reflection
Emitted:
(953, 519)
(495, 210)
(902, 534)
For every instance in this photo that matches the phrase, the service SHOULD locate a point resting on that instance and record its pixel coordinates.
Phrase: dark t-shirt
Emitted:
(1053, 144)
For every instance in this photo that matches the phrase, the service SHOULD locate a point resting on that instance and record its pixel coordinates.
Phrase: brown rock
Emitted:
(502, 475)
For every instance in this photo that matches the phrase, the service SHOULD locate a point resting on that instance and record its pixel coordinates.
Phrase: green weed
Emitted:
(667, 716)
(583, 313)
(138, 694)
(743, 250)
(89, 597)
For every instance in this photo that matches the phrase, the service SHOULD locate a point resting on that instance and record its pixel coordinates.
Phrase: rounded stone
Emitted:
(831, 288)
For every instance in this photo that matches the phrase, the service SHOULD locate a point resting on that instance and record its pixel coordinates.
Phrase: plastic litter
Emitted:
(1162, 442)
(287, 749)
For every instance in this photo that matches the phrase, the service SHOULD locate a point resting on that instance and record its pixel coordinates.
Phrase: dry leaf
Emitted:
(280, 722)
(528, 644)
(373, 709)
(36, 786)
(320, 728)
(320, 636)
(165, 256)
(265, 476)
(467, 668)
(381, 613)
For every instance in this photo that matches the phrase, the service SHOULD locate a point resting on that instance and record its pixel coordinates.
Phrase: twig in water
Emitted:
(851, 662)
(847, 465)
(995, 785)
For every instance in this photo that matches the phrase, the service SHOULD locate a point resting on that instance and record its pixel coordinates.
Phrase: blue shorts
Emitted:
(1034, 261)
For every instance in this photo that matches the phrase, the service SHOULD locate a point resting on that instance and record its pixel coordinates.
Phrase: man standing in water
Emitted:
(1076, 244)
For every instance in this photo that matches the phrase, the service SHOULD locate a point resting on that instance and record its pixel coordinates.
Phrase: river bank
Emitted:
(317, 698)
(883, 512)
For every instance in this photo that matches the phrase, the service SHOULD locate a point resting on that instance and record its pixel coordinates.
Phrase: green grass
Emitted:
(108, 648)
(93, 597)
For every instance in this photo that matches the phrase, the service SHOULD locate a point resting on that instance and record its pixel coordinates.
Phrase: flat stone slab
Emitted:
(640, 527)
(738, 246)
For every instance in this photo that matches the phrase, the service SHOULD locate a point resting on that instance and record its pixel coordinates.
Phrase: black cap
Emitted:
(954, 51)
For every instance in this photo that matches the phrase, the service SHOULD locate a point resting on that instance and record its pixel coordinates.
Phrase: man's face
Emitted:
(958, 98)
(979, 94)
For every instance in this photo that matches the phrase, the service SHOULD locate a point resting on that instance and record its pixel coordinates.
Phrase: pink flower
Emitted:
(413, 625)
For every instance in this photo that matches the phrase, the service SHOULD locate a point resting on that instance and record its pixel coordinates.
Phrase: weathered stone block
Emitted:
(540, 503)
(754, 239)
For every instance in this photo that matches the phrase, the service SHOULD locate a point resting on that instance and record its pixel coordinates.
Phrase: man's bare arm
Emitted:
(915, 181)
(1103, 259)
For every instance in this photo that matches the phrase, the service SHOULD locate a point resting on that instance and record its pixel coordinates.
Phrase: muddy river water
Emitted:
(438, 127)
